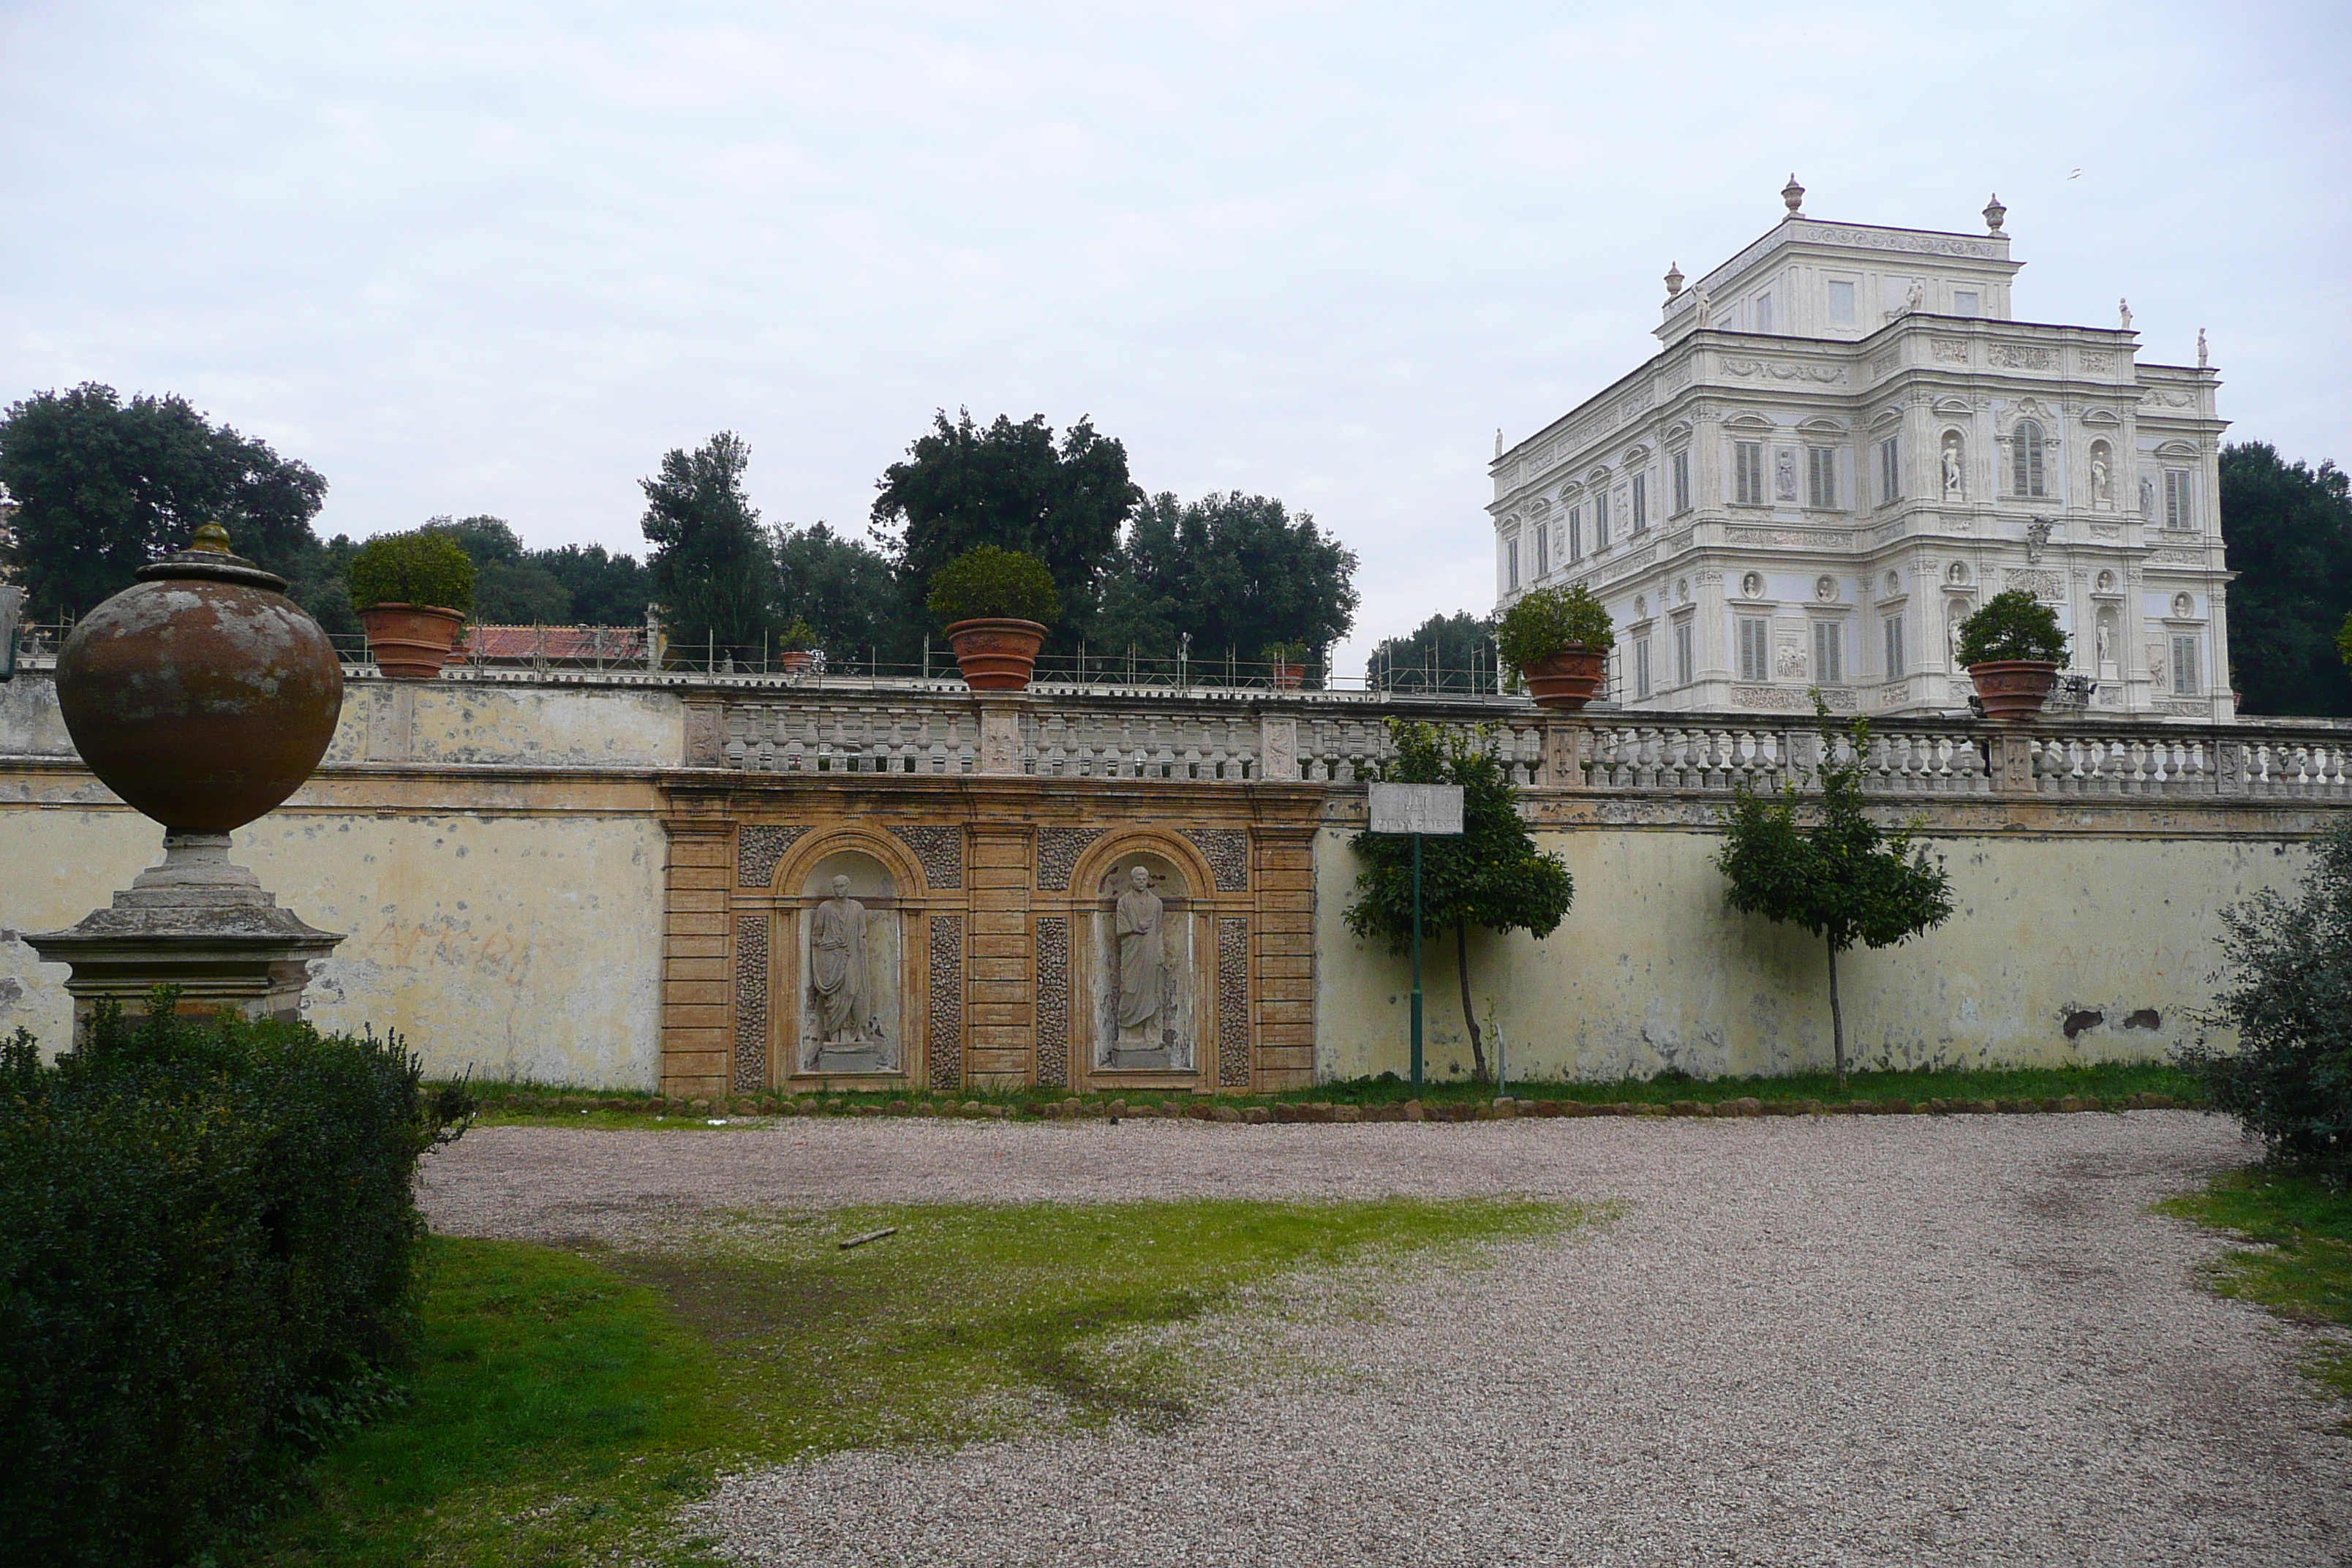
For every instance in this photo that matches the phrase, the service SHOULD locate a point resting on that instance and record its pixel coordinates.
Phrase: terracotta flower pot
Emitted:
(410, 642)
(795, 660)
(202, 695)
(1290, 676)
(2013, 689)
(996, 653)
(1567, 679)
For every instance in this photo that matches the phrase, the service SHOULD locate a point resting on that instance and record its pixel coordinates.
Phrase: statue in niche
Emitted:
(1952, 473)
(837, 969)
(1784, 473)
(2106, 634)
(2101, 494)
(1144, 982)
(1914, 299)
(2146, 496)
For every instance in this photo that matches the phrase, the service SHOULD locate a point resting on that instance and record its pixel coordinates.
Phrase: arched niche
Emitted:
(1147, 939)
(850, 1010)
(2103, 476)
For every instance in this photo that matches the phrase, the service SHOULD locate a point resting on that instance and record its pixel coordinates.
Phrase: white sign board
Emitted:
(1417, 808)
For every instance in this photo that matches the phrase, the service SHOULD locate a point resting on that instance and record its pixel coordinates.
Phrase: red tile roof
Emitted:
(569, 645)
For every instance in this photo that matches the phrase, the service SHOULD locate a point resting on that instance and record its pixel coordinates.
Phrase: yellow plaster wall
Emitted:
(1650, 969)
(516, 937)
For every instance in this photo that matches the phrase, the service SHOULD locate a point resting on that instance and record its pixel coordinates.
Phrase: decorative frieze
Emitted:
(1790, 538)
(1058, 849)
(1786, 369)
(752, 1001)
(758, 850)
(1949, 351)
(2042, 583)
(2020, 356)
(1233, 1003)
(1227, 850)
(1053, 1001)
(946, 1051)
(940, 850)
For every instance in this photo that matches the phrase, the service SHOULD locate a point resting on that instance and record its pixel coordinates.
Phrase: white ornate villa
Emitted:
(1846, 443)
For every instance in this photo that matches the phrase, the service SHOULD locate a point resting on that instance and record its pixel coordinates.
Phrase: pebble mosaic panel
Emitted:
(1053, 1001)
(940, 851)
(1227, 850)
(945, 1051)
(1233, 1003)
(1058, 849)
(757, 851)
(751, 1003)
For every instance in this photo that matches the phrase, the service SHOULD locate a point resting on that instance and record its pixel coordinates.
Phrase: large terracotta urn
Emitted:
(996, 653)
(410, 642)
(1569, 678)
(203, 697)
(2013, 689)
(201, 694)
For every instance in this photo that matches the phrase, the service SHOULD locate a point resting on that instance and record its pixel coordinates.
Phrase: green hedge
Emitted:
(986, 581)
(420, 568)
(206, 1231)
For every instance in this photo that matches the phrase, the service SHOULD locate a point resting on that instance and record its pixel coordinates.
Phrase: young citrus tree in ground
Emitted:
(1828, 867)
(1492, 876)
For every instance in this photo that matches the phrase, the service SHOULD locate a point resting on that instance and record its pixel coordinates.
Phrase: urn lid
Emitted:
(207, 559)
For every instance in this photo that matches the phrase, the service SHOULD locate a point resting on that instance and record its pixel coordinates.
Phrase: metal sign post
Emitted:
(1419, 810)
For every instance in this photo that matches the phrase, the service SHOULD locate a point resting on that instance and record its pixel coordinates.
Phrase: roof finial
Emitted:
(1674, 278)
(211, 537)
(1794, 195)
(1993, 212)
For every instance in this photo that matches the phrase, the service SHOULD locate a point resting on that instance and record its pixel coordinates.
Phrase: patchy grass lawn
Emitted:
(2300, 1267)
(567, 1401)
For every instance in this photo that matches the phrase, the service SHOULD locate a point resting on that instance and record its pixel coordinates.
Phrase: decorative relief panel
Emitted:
(1058, 849)
(1885, 363)
(1227, 850)
(2098, 361)
(751, 1002)
(2043, 584)
(1790, 698)
(1949, 351)
(946, 1051)
(1785, 370)
(1799, 538)
(2020, 356)
(2176, 558)
(1631, 408)
(939, 849)
(1676, 378)
(1054, 999)
(1233, 1003)
(705, 732)
(758, 850)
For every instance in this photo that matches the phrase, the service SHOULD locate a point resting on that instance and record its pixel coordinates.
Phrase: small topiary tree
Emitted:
(986, 581)
(1839, 875)
(2289, 1082)
(1285, 653)
(2012, 624)
(1547, 620)
(426, 567)
(1492, 876)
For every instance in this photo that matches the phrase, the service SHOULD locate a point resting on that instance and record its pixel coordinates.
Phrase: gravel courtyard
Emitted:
(1867, 1340)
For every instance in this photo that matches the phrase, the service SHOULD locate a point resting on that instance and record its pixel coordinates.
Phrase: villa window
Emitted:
(1511, 564)
(1601, 520)
(1682, 483)
(1755, 648)
(2178, 513)
(1641, 502)
(1894, 625)
(1684, 662)
(2025, 459)
(1821, 477)
(1841, 304)
(1543, 552)
(2184, 665)
(1748, 472)
(1641, 667)
(1829, 653)
(1890, 471)
(1576, 533)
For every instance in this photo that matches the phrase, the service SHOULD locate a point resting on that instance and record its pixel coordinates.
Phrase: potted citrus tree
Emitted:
(1288, 661)
(412, 592)
(995, 604)
(2012, 649)
(1558, 640)
(798, 651)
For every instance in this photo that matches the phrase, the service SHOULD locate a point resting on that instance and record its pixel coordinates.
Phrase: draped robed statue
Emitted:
(837, 966)
(1138, 929)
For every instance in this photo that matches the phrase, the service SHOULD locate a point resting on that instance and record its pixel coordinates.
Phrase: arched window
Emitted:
(2025, 459)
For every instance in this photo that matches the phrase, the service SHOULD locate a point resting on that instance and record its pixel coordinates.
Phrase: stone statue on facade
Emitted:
(2146, 496)
(1706, 306)
(837, 968)
(1143, 962)
(2100, 493)
(2204, 359)
(2122, 313)
(1952, 474)
(1914, 299)
(1784, 474)
(2106, 642)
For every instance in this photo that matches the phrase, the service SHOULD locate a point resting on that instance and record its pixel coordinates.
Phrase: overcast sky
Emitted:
(498, 258)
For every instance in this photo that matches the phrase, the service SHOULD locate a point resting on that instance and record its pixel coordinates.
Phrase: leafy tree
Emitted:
(1837, 873)
(513, 586)
(103, 487)
(2289, 1000)
(607, 590)
(1492, 876)
(844, 589)
(1238, 572)
(712, 567)
(2289, 536)
(1011, 485)
(1440, 657)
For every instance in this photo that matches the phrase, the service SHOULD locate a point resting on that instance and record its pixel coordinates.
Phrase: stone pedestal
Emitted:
(197, 923)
